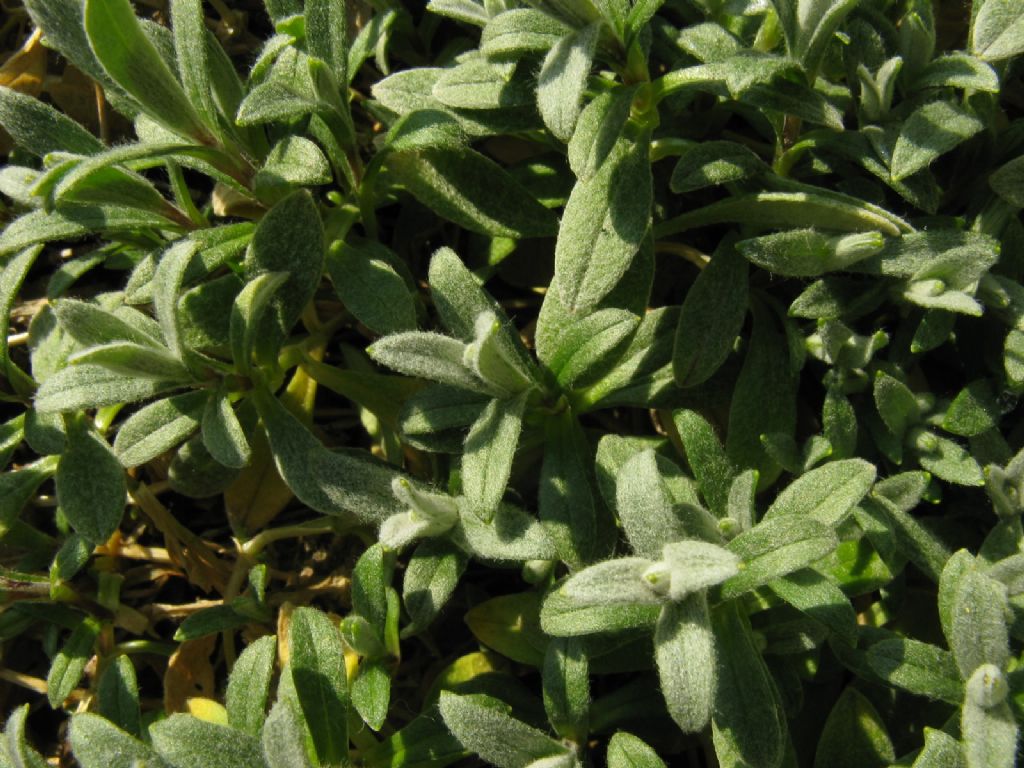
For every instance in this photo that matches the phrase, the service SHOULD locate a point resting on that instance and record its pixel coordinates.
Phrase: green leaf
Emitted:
(326, 34)
(645, 507)
(185, 741)
(598, 130)
(809, 253)
(293, 162)
(774, 548)
(816, 596)
(1007, 181)
(191, 48)
(131, 60)
(75, 221)
(510, 625)
(562, 78)
(958, 70)
(118, 694)
(90, 482)
(564, 615)
(826, 494)
(284, 738)
(69, 663)
(931, 131)
(604, 222)
(711, 318)
(684, 652)
(223, 434)
(748, 726)
(98, 743)
(921, 668)
(249, 685)
(247, 313)
(490, 449)
(854, 735)
(627, 751)
(465, 187)
(707, 458)
(518, 31)
(331, 482)
(18, 750)
(40, 129)
(979, 632)
(431, 575)
(566, 687)
(585, 350)
(973, 411)
(475, 84)
(317, 663)
(567, 505)
(940, 751)
(133, 360)
(945, 458)
(711, 163)
(918, 543)
(371, 693)
(371, 289)
(481, 725)
(12, 275)
(998, 30)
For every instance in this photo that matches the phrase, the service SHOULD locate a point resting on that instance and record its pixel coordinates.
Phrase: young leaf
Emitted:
(249, 684)
(223, 434)
(809, 253)
(284, 738)
(990, 735)
(98, 743)
(684, 651)
(627, 751)
(932, 130)
(562, 78)
(566, 686)
(317, 663)
(427, 355)
(158, 427)
(118, 694)
(826, 494)
(69, 664)
(371, 692)
(91, 485)
(185, 741)
(490, 449)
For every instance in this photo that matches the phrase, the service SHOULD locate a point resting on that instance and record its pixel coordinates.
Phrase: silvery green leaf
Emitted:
(990, 736)
(75, 221)
(512, 536)
(568, 506)
(91, 485)
(158, 427)
(98, 743)
(490, 449)
(469, 11)
(167, 285)
(777, 547)
(587, 347)
(40, 129)
(707, 458)
(371, 289)
(18, 751)
(249, 685)
(118, 695)
(645, 507)
(223, 434)
(317, 663)
(565, 677)
(987, 686)
(809, 253)
(437, 417)
(476, 84)
(132, 61)
(562, 78)
(932, 130)
(711, 163)
(185, 741)
(979, 632)
(431, 575)
(68, 665)
(519, 31)
(946, 459)
(826, 494)
(483, 727)
(133, 360)
(940, 751)
(921, 668)
(958, 70)
(371, 692)
(710, 319)
(810, 592)
(192, 51)
(332, 482)
(457, 294)
(598, 129)
(293, 162)
(327, 34)
(627, 751)
(1006, 181)
(493, 355)
(464, 187)
(997, 31)
(614, 582)
(423, 129)
(90, 325)
(809, 25)
(748, 726)
(427, 355)
(604, 222)
(18, 487)
(284, 738)
(854, 734)
(693, 566)
(684, 651)
(247, 313)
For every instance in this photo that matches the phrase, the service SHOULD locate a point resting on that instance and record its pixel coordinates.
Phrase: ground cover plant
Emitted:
(512, 382)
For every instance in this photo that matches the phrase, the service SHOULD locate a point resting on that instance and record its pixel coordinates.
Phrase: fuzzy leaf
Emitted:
(98, 743)
(185, 741)
(91, 485)
(317, 663)
(931, 131)
(249, 685)
(490, 449)
(826, 494)
(684, 651)
(562, 78)
(627, 751)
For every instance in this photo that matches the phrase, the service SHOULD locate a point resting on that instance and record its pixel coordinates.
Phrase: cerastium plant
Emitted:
(546, 383)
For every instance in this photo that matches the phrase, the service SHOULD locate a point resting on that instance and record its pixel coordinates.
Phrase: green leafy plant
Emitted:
(534, 383)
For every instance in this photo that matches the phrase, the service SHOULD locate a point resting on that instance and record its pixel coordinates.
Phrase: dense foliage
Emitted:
(538, 382)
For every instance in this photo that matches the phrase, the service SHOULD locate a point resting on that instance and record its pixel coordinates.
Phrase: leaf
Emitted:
(371, 693)
(1006, 181)
(854, 735)
(945, 458)
(69, 663)
(331, 482)
(809, 253)
(326, 34)
(185, 741)
(90, 482)
(293, 162)
(918, 543)
(191, 48)
(98, 743)
(562, 78)
(940, 751)
(131, 60)
(371, 289)
(684, 652)
(604, 222)
(510, 625)
(774, 548)
(931, 131)
(317, 663)
(566, 687)
(284, 738)
(12, 275)
(40, 129)
(512, 536)
(711, 163)
(813, 594)
(586, 349)
(475, 84)
(958, 70)
(990, 735)
(465, 187)
(564, 615)
(223, 434)
(75, 221)
(707, 458)
(826, 494)
(249, 685)
(598, 129)
(431, 575)
(518, 31)
(748, 726)
(20, 753)
(118, 694)
(711, 318)
(920, 668)
(484, 728)
(645, 507)
(490, 449)
(998, 30)
(979, 632)
(627, 751)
